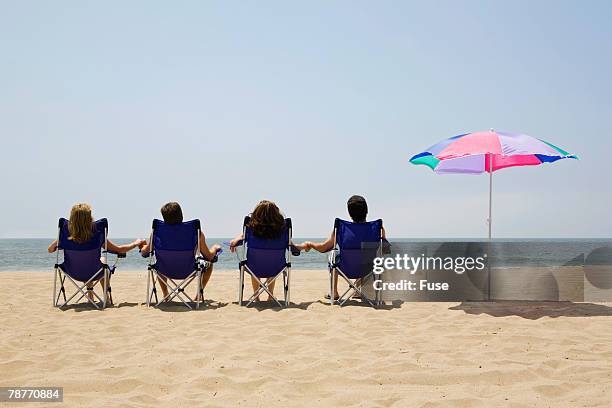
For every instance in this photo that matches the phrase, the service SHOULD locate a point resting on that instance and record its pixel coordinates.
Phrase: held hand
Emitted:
(304, 246)
(215, 248)
(139, 243)
(233, 243)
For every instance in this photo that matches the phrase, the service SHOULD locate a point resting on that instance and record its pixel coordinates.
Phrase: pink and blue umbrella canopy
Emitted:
(479, 152)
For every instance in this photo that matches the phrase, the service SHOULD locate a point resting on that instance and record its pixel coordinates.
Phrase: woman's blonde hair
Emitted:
(81, 225)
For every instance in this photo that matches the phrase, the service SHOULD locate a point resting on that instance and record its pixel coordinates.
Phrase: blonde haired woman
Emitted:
(81, 230)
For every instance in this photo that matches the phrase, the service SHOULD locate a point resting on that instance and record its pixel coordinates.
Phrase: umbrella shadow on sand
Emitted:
(534, 310)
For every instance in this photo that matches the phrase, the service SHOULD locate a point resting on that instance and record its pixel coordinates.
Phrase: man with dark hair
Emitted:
(357, 208)
(358, 211)
(173, 214)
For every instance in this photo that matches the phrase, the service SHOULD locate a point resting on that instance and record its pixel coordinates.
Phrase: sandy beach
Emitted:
(517, 354)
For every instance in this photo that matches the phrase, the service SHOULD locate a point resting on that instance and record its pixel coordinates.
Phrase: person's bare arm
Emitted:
(383, 233)
(324, 246)
(122, 249)
(145, 249)
(53, 247)
(234, 242)
(209, 254)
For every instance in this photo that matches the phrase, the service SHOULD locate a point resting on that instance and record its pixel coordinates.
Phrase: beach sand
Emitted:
(516, 354)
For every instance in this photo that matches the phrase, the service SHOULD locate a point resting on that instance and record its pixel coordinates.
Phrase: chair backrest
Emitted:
(266, 257)
(175, 247)
(82, 261)
(358, 244)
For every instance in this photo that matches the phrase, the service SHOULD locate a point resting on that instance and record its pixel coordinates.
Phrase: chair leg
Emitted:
(148, 288)
(352, 290)
(200, 294)
(331, 287)
(154, 289)
(285, 288)
(62, 290)
(379, 301)
(105, 289)
(288, 288)
(264, 288)
(177, 289)
(241, 286)
(54, 286)
(83, 293)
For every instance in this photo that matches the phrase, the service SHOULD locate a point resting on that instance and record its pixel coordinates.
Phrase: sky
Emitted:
(217, 105)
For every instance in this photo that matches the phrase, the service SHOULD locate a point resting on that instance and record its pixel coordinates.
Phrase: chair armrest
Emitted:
(331, 258)
(239, 243)
(216, 257)
(386, 247)
(115, 253)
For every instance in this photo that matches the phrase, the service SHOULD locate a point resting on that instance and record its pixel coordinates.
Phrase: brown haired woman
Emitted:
(267, 222)
(81, 230)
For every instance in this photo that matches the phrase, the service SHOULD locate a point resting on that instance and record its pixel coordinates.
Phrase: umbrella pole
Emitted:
(490, 193)
(490, 223)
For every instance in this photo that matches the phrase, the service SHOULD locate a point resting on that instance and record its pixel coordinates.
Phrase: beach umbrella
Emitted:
(486, 152)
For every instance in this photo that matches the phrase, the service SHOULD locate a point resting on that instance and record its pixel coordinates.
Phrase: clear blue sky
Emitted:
(127, 105)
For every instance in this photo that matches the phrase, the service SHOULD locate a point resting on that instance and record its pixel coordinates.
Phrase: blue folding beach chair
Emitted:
(266, 258)
(84, 265)
(356, 245)
(175, 257)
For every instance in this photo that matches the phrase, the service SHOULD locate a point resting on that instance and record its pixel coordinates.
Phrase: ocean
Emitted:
(31, 254)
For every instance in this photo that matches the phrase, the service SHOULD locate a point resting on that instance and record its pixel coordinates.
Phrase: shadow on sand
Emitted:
(271, 305)
(534, 310)
(264, 305)
(88, 307)
(180, 307)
